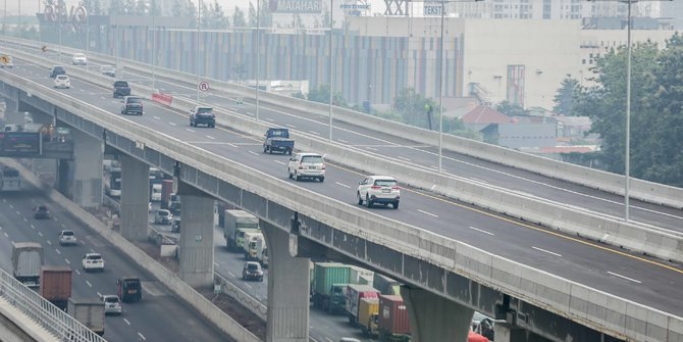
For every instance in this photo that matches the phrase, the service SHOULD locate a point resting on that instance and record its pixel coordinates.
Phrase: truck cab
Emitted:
(129, 289)
(277, 139)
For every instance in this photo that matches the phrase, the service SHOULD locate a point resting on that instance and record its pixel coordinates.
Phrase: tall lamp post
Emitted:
(627, 152)
(330, 73)
(441, 77)
(258, 54)
(199, 45)
(154, 48)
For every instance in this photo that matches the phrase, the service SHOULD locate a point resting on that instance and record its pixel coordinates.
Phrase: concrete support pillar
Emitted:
(434, 318)
(12, 113)
(196, 241)
(509, 333)
(288, 287)
(87, 172)
(134, 198)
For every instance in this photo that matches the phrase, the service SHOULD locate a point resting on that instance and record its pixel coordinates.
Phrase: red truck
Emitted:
(55, 285)
(354, 294)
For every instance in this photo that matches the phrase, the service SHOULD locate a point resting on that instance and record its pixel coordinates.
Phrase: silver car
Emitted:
(112, 304)
(67, 237)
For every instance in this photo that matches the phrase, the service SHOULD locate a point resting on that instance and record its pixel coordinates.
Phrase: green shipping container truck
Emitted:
(329, 283)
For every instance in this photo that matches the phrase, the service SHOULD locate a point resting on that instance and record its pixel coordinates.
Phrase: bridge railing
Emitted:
(50, 317)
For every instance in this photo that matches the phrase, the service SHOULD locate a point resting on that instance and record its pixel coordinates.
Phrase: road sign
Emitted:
(204, 86)
(296, 6)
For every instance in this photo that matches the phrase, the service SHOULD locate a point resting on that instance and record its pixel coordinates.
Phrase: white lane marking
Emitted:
(625, 277)
(127, 321)
(403, 158)
(210, 137)
(40, 234)
(78, 272)
(232, 274)
(280, 162)
(233, 145)
(290, 126)
(216, 264)
(269, 119)
(67, 261)
(248, 286)
(427, 213)
(11, 206)
(63, 226)
(547, 251)
(371, 149)
(5, 201)
(18, 213)
(482, 231)
(5, 234)
(57, 251)
(25, 219)
(172, 123)
(342, 185)
(142, 336)
(92, 250)
(189, 130)
(49, 242)
(99, 294)
(88, 283)
(156, 117)
(478, 180)
(252, 152)
(314, 132)
(328, 339)
(55, 219)
(11, 242)
(342, 141)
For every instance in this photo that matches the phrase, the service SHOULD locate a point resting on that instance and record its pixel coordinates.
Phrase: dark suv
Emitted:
(131, 105)
(129, 289)
(121, 88)
(41, 212)
(202, 116)
(57, 70)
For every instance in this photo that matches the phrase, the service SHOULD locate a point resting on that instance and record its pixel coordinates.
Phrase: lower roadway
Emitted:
(159, 317)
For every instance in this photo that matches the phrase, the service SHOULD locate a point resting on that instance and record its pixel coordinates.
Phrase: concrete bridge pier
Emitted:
(434, 318)
(196, 237)
(288, 287)
(134, 198)
(87, 170)
(12, 113)
(508, 333)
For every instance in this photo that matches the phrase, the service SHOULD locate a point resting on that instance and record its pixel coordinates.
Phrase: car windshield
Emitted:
(68, 233)
(134, 100)
(204, 110)
(385, 182)
(62, 77)
(111, 299)
(163, 213)
(312, 159)
(94, 257)
(121, 84)
(58, 69)
(252, 267)
(42, 208)
(135, 284)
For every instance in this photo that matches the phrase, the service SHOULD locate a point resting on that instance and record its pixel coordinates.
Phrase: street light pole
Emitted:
(21, 33)
(627, 157)
(154, 48)
(258, 54)
(331, 74)
(199, 33)
(443, 9)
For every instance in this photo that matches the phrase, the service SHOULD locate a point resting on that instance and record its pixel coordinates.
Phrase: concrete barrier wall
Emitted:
(598, 310)
(609, 182)
(166, 276)
(27, 325)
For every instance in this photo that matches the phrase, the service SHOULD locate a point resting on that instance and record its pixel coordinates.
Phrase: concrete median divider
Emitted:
(660, 244)
(164, 275)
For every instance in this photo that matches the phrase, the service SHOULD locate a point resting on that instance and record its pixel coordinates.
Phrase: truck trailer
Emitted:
(27, 259)
(55, 285)
(237, 224)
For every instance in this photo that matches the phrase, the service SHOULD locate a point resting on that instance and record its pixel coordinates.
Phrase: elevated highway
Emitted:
(385, 240)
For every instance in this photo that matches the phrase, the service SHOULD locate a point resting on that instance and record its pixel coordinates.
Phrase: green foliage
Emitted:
(252, 15)
(238, 18)
(322, 95)
(178, 9)
(94, 7)
(117, 7)
(412, 107)
(511, 109)
(564, 98)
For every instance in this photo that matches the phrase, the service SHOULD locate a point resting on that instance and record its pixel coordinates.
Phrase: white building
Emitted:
(550, 9)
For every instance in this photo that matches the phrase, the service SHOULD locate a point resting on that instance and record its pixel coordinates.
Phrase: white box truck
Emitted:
(27, 259)
(237, 224)
(90, 312)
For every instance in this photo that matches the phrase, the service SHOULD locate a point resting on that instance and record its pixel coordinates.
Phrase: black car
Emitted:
(252, 270)
(41, 212)
(57, 70)
(202, 116)
(129, 289)
(121, 88)
(132, 105)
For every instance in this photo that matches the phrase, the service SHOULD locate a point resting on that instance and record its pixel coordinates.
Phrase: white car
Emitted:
(63, 82)
(112, 304)
(163, 217)
(379, 190)
(67, 237)
(306, 165)
(93, 262)
(79, 59)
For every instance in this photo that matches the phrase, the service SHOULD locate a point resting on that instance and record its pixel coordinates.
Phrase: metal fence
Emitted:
(50, 317)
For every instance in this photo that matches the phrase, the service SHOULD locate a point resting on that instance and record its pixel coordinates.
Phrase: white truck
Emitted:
(27, 259)
(237, 224)
(90, 312)
(256, 249)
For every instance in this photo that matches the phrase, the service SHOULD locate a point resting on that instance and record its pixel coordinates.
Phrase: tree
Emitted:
(297, 22)
(142, 8)
(252, 15)
(265, 14)
(130, 6)
(117, 7)
(564, 98)
(179, 9)
(238, 19)
(322, 95)
(218, 20)
(205, 16)
(412, 108)
(191, 12)
(92, 6)
(510, 109)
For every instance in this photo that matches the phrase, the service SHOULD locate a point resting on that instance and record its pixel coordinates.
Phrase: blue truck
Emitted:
(277, 139)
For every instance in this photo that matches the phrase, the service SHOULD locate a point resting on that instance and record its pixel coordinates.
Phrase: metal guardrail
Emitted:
(50, 317)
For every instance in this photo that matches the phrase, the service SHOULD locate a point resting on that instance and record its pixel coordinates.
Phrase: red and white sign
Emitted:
(163, 99)
(204, 86)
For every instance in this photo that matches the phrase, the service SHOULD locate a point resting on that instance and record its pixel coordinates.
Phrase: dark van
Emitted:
(129, 289)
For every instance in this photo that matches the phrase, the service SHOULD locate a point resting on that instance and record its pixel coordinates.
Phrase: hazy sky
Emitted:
(31, 6)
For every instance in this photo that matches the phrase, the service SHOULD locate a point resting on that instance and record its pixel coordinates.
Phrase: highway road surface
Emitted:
(159, 317)
(648, 282)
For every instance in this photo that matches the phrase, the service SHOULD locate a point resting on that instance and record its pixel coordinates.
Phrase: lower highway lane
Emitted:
(657, 284)
(159, 317)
